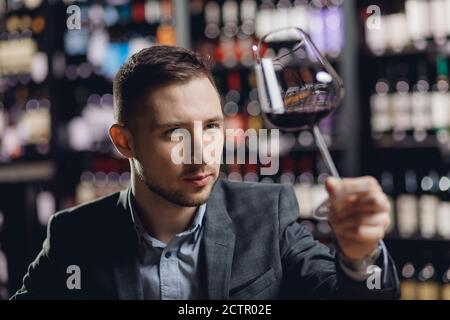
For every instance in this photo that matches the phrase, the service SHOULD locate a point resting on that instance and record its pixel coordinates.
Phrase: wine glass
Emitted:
(297, 87)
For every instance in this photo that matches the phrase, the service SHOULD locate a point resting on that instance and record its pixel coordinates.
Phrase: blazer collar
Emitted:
(125, 259)
(218, 242)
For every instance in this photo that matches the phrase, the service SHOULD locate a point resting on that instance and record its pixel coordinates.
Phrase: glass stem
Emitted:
(320, 142)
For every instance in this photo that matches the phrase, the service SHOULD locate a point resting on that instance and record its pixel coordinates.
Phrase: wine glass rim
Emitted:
(256, 49)
(305, 39)
(300, 30)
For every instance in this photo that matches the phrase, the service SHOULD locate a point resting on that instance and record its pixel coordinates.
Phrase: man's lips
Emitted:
(197, 176)
(199, 179)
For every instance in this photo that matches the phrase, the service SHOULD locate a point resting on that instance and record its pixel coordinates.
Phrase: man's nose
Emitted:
(197, 146)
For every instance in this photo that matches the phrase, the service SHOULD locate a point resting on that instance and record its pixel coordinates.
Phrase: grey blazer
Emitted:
(253, 245)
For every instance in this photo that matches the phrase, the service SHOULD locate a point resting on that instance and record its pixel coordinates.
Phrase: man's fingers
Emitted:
(359, 213)
(354, 186)
(381, 219)
(370, 202)
(362, 233)
(375, 202)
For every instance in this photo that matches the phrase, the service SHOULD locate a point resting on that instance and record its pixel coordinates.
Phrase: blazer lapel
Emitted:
(218, 241)
(125, 254)
(126, 276)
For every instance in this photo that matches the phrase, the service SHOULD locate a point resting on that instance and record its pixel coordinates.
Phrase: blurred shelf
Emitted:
(27, 171)
(431, 48)
(393, 238)
(334, 146)
(220, 67)
(417, 238)
(408, 142)
(67, 152)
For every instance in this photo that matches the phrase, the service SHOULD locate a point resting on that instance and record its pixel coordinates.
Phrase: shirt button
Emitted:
(168, 254)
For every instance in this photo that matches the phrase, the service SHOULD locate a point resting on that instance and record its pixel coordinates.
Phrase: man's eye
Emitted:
(212, 125)
(170, 131)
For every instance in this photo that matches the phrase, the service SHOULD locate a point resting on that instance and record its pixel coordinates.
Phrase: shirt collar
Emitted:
(143, 233)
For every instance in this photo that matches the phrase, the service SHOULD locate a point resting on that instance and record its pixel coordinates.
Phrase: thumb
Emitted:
(332, 185)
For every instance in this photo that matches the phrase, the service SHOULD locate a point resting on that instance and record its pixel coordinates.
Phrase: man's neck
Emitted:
(161, 218)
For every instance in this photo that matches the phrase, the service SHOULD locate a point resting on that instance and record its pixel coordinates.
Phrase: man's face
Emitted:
(188, 106)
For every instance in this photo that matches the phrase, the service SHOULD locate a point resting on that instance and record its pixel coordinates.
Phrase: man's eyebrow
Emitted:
(181, 124)
(213, 119)
(170, 124)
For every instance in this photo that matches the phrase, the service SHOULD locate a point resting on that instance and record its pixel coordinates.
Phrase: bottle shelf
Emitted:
(430, 50)
(27, 171)
(408, 142)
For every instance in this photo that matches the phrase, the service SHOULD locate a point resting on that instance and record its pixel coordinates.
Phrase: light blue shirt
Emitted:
(172, 271)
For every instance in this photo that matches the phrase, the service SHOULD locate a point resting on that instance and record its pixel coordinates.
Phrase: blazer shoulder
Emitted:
(88, 227)
(246, 187)
(87, 219)
(90, 210)
(255, 196)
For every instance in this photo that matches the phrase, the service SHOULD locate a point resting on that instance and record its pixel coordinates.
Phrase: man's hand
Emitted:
(359, 214)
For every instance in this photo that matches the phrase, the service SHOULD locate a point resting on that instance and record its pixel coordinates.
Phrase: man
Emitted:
(179, 232)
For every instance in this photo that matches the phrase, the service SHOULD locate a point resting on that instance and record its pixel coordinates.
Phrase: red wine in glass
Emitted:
(297, 87)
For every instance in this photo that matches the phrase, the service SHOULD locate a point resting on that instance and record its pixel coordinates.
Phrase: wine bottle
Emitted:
(45, 206)
(251, 172)
(288, 170)
(406, 206)
(138, 12)
(444, 187)
(387, 183)
(212, 19)
(428, 286)
(445, 287)
(85, 190)
(303, 185)
(334, 24)
(152, 12)
(298, 16)
(381, 120)
(230, 18)
(376, 38)
(317, 25)
(420, 104)
(440, 96)
(2, 121)
(447, 12)
(303, 192)
(401, 101)
(432, 183)
(254, 119)
(4, 276)
(438, 22)
(408, 284)
(280, 15)
(397, 38)
(429, 205)
(248, 15)
(264, 19)
(418, 22)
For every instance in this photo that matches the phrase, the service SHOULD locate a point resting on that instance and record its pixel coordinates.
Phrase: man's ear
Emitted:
(122, 139)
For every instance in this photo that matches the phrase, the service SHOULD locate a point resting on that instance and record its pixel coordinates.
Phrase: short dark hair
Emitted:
(153, 68)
